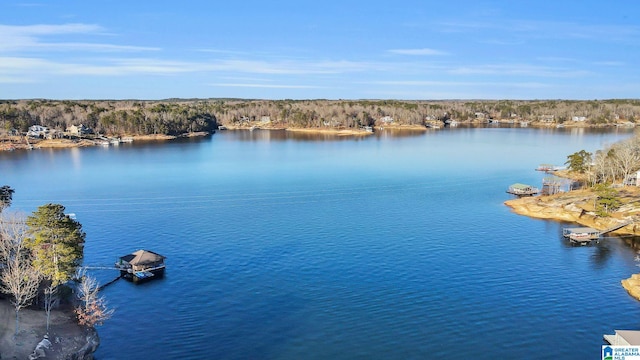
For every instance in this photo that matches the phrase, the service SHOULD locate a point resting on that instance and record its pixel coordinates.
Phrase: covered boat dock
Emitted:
(141, 265)
(519, 189)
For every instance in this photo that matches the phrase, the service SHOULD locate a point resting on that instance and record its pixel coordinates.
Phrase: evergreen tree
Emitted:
(579, 161)
(56, 241)
(607, 200)
(6, 195)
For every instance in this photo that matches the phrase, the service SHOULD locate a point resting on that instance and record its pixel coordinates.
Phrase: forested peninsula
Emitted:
(175, 117)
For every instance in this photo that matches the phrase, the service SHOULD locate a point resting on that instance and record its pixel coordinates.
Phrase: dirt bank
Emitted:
(66, 336)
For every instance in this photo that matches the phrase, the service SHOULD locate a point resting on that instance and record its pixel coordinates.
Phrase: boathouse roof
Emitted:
(142, 257)
(583, 230)
(520, 186)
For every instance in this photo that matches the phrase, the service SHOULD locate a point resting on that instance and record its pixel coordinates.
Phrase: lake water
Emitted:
(289, 246)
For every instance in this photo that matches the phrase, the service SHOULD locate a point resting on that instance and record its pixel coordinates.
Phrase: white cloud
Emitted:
(147, 66)
(32, 38)
(517, 69)
(546, 29)
(609, 63)
(423, 83)
(418, 52)
(269, 86)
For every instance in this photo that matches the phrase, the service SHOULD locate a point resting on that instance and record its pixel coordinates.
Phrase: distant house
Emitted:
(633, 179)
(480, 115)
(386, 119)
(79, 130)
(578, 118)
(265, 119)
(38, 131)
(547, 118)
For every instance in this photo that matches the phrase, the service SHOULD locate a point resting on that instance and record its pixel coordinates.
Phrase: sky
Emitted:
(405, 50)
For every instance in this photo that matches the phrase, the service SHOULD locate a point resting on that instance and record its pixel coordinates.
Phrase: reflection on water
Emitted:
(281, 134)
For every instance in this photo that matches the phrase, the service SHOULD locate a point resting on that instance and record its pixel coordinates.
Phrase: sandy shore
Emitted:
(338, 132)
(64, 333)
(67, 143)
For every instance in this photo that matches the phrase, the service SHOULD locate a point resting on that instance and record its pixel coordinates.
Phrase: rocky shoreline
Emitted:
(578, 207)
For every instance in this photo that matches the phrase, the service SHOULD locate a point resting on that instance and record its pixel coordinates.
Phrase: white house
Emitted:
(547, 118)
(633, 179)
(386, 119)
(78, 130)
(578, 118)
(38, 131)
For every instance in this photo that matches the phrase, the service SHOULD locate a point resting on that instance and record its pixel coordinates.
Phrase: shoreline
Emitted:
(68, 143)
(577, 207)
(68, 339)
(19, 143)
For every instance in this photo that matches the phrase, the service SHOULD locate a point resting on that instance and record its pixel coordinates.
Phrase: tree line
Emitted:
(176, 116)
(40, 257)
(614, 166)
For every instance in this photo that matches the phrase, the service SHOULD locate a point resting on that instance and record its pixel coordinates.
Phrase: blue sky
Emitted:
(325, 49)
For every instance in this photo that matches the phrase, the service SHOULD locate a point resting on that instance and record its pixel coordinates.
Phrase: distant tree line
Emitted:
(173, 117)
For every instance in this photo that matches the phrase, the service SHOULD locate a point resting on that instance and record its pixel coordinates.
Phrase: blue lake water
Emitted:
(289, 246)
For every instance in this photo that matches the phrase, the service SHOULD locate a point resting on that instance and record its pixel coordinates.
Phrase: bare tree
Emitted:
(13, 230)
(627, 157)
(19, 278)
(93, 309)
(51, 300)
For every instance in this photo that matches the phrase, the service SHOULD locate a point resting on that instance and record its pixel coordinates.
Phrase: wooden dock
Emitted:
(522, 190)
(585, 235)
(623, 338)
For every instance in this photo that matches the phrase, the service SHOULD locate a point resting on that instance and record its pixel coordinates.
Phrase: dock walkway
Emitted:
(585, 235)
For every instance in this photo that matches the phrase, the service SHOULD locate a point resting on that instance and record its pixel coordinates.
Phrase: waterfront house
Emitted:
(633, 179)
(38, 131)
(79, 130)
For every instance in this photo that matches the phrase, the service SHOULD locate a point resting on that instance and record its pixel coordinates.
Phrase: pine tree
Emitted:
(56, 241)
(6, 195)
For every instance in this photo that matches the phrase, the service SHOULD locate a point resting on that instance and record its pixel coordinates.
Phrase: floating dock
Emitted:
(585, 235)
